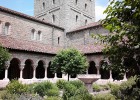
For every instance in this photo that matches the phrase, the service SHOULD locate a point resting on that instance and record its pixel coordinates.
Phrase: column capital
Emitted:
(22, 66)
(34, 66)
(6, 64)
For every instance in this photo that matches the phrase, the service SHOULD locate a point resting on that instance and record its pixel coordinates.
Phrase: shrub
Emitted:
(60, 83)
(53, 98)
(115, 89)
(53, 92)
(130, 90)
(69, 90)
(81, 94)
(15, 87)
(104, 97)
(77, 83)
(46, 88)
(96, 87)
(104, 87)
(8, 96)
(29, 97)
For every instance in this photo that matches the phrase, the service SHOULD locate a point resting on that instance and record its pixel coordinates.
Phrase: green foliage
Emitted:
(46, 88)
(53, 92)
(53, 98)
(4, 56)
(129, 90)
(15, 87)
(115, 89)
(8, 96)
(75, 90)
(69, 61)
(77, 83)
(96, 87)
(60, 83)
(69, 91)
(81, 94)
(123, 41)
(104, 97)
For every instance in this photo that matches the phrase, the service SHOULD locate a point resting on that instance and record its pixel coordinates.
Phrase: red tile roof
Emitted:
(12, 43)
(3, 9)
(94, 24)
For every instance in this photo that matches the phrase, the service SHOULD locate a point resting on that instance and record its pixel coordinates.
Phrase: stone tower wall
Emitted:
(65, 12)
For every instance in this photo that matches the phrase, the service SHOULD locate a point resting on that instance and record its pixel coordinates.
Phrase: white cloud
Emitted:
(99, 12)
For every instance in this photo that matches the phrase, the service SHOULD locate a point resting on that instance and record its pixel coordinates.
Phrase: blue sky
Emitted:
(27, 6)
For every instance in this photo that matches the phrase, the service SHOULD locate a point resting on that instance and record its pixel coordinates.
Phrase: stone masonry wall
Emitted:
(21, 28)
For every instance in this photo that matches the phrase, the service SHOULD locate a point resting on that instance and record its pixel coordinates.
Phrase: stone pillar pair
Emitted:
(6, 66)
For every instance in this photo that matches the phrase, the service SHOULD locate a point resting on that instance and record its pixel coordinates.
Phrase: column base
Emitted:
(5, 79)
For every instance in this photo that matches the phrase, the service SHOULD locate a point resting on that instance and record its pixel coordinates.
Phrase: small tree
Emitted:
(4, 56)
(69, 61)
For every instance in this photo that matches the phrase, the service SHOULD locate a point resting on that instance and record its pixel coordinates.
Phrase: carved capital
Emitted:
(22, 66)
(6, 64)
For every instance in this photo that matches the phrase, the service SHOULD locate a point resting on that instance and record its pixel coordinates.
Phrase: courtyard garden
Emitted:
(71, 90)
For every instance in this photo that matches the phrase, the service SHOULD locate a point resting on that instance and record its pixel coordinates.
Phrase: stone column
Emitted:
(124, 78)
(110, 75)
(45, 72)
(98, 69)
(21, 70)
(7, 64)
(55, 75)
(34, 71)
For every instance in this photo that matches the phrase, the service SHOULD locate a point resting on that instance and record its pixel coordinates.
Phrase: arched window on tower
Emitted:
(86, 22)
(39, 36)
(33, 34)
(76, 18)
(53, 2)
(7, 28)
(43, 5)
(85, 6)
(53, 18)
(0, 27)
(58, 40)
(76, 1)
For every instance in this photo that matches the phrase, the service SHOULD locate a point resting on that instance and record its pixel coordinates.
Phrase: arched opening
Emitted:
(39, 36)
(50, 73)
(76, 1)
(33, 34)
(58, 40)
(40, 70)
(6, 28)
(53, 1)
(76, 18)
(53, 18)
(0, 27)
(73, 76)
(28, 69)
(92, 69)
(85, 6)
(43, 5)
(105, 74)
(14, 69)
(86, 22)
(138, 61)
(131, 67)
(2, 73)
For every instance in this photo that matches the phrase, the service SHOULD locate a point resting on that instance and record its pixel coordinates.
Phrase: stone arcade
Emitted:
(33, 41)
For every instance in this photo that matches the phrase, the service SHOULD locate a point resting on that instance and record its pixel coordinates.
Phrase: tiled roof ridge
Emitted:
(90, 25)
(28, 17)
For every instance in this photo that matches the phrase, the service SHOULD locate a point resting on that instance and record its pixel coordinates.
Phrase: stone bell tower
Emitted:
(68, 14)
